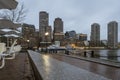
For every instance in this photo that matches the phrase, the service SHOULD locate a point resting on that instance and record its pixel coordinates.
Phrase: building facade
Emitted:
(70, 34)
(28, 32)
(83, 37)
(58, 25)
(112, 34)
(43, 24)
(95, 35)
(58, 34)
(49, 36)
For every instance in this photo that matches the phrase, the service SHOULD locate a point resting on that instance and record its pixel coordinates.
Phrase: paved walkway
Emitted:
(53, 69)
(100, 61)
(100, 69)
(17, 69)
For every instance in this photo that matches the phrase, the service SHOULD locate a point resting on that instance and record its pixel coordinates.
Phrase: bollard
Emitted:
(85, 54)
(92, 53)
(67, 52)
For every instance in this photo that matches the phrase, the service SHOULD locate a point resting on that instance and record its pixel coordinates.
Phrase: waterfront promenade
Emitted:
(57, 67)
(100, 67)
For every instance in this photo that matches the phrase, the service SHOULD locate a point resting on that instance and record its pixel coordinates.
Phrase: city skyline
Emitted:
(77, 15)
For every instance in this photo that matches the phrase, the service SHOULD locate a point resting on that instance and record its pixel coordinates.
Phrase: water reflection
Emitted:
(46, 63)
(109, 54)
(112, 55)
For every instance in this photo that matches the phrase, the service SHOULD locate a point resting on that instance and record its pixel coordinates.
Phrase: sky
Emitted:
(77, 15)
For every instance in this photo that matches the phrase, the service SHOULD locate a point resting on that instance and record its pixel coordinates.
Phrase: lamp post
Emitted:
(0, 38)
(28, 43)
(46, 34)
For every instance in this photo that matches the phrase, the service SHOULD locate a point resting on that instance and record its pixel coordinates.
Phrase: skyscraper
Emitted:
(58, 25)
(95, 34)
(43, 24)
(112, 34)
(58, 34)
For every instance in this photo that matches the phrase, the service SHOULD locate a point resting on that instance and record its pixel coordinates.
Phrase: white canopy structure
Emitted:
(9, 30)
(9, 33)
(8, 4)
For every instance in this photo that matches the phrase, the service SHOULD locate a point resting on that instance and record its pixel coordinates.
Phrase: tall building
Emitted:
(95, 34)
(112, 34)
(58, 25)
(28, 31)
(58, 34)
(43, 24)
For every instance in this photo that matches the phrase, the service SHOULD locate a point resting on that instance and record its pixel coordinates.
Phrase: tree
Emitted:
(16, 15)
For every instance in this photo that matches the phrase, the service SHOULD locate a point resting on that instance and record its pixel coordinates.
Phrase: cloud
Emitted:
(77, 14)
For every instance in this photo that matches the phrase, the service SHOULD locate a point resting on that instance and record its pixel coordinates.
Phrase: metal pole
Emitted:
(7, 42)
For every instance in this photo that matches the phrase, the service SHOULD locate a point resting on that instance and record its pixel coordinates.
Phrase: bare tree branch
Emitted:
(16, 15)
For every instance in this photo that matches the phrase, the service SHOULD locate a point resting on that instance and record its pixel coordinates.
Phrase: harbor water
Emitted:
(113, 55)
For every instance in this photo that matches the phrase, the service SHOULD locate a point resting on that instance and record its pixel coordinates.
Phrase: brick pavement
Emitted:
(17, 69)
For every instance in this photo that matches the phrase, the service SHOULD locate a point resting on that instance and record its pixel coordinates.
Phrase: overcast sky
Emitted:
(77, 15)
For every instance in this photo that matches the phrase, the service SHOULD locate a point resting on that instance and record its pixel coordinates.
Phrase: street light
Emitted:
(28, 43)
(46, 34)
(28, 40)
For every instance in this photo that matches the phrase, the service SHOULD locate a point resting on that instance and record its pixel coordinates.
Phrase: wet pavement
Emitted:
(100, 69)
(17, 69)
(56, 67)
(96, 60)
